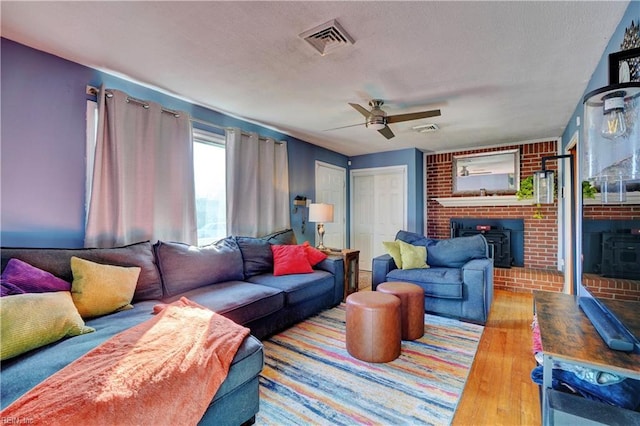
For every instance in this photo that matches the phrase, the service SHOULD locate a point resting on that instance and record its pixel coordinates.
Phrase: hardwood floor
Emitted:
(499, 390)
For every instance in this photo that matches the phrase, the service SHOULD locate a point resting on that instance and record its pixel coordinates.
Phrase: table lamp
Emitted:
(321, 213)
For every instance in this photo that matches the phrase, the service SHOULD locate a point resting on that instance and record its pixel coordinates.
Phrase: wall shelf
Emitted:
(632, 198)
(512, 200)
(489, 200)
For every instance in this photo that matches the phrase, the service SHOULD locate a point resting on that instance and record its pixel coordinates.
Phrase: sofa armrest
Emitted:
(335, 266)
(477, 279)
(380, 267)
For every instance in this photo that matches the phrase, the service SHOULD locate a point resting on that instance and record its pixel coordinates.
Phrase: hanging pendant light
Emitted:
(543, 186)
(611, 139)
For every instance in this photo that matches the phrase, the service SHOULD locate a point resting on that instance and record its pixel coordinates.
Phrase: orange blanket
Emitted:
(163, 371)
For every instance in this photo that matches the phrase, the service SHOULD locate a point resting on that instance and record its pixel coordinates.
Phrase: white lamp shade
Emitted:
(321, 212)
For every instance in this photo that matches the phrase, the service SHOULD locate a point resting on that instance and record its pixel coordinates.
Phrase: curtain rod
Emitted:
(93, 91)
(208, 123)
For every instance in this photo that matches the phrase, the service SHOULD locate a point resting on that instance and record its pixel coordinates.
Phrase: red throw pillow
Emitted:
(290, 259)
(314, 255)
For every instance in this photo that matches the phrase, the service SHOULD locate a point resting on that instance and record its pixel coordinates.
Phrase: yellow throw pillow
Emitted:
(101, 289)
(413, 257)
(31, 320)
(393, 249)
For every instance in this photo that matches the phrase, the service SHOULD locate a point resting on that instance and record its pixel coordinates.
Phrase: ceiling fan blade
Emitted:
(412, 116)
(344, 127)
(386, 132)
(360, 109)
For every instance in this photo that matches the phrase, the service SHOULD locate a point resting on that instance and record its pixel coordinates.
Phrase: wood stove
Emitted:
(620, 255)
(500, 239)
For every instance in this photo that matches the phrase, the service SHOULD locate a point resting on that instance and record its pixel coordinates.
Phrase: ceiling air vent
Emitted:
(327, 37)
(425, 128)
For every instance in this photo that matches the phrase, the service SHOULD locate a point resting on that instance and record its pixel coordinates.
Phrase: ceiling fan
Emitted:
(379, 120)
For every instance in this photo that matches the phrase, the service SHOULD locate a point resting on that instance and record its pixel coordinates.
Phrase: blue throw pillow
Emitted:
(256, 254)
(415, 239)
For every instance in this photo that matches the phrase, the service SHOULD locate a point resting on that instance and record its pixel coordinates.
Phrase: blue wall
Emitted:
(600, 76)
(43, 147)
(414, 160)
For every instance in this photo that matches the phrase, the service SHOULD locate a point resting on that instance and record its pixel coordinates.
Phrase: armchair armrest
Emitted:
(380, 267)
(477, 279)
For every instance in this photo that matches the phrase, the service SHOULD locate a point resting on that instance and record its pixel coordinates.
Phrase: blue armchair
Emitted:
(458, 282)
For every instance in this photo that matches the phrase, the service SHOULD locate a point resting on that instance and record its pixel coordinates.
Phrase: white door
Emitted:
(379, 209)
(362, 217)
(331, 188)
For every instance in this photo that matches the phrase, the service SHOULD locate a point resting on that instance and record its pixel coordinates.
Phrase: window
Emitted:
(210, 187)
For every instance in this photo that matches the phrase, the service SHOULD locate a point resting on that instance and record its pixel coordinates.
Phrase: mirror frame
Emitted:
(513, 157)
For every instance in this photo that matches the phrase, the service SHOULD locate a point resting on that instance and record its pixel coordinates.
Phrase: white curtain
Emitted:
(257, 184)
(143, 183)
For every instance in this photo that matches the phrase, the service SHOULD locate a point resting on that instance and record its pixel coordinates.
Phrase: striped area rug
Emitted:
(310, 379)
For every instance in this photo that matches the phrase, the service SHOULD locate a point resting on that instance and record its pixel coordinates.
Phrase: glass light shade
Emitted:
(614, 192)
(611, 134)
(320, 212)
(613, 120)
(543, 186)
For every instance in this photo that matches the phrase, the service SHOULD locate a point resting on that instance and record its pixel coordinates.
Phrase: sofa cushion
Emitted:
(21, 277)
(298, 288)
(185, 267)
(290, 259)
(239, 301)
(449, 253)
(256, 254)
(102, 289)
(436, 282)
(32, 320)
(58, 262)
(286, 236)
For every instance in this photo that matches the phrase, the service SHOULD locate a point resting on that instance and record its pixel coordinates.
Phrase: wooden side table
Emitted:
(568, 336)
(351, 260)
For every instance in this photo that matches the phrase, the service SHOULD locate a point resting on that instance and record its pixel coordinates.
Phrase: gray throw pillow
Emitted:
(256, 254)
(184, 267)
(286, 236)
(58, 262)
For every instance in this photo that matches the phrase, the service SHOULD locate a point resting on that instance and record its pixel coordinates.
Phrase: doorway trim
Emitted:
(343, 170)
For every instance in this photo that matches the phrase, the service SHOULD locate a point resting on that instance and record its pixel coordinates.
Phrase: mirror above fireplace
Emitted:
(488, 173)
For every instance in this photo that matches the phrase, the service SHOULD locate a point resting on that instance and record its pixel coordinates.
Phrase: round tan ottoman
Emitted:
(373, 326)
(411, 307)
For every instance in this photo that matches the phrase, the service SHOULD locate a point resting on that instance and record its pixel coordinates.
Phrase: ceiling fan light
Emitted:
(376, 126)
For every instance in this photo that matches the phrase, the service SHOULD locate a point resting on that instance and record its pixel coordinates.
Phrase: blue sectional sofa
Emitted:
(233, 277)
(458, 282)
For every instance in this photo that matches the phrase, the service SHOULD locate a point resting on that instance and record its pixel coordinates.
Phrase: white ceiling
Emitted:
(501, 72)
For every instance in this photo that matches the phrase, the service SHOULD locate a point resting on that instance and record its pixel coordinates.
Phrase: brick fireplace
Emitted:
(539, 270)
